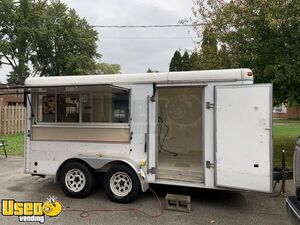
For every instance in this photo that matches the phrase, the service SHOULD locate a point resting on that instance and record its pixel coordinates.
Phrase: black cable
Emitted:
(148, 38)
(161, 144)
(86, 213)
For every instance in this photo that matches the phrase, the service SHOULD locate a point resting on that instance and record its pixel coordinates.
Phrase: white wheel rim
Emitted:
(75, 180)
(120, 184)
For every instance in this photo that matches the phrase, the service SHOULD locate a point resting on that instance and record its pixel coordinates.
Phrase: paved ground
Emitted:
(208, 207)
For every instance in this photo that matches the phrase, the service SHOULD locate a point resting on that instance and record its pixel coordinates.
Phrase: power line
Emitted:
(151, 38)
(149, 26)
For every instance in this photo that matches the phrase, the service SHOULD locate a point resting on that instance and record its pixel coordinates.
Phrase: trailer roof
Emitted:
(142, 78)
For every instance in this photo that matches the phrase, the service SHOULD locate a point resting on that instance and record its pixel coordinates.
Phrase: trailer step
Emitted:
(181, 203)
(180, 175)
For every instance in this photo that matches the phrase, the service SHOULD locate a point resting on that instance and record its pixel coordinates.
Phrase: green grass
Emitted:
(15, 144)
(285, 133)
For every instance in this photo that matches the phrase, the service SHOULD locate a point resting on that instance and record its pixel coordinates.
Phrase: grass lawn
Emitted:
(15, 144)
(285, 133)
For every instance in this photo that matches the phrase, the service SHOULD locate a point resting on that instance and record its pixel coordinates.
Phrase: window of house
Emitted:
(11, 103)
(95, 104)
(280, 109)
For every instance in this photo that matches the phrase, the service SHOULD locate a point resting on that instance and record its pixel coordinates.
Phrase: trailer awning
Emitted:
(142, 78)
(85, 88)
(22, 90)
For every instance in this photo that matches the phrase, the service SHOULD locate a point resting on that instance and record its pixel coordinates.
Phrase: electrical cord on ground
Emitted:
(161, 143)
(86, 213)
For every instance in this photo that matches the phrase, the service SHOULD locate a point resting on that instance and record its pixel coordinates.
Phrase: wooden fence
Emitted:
(12, 119)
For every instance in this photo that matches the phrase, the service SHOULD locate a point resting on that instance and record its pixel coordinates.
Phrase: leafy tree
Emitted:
(18, 78)
(65, 44)
(16, 22)
(194, 61)
(176, 62)
(209, 58)
(106, 68)
(185, 62)
(259, 34)
(47, 35)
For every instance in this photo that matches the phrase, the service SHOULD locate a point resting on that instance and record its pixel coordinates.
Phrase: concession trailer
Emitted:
(203, 129)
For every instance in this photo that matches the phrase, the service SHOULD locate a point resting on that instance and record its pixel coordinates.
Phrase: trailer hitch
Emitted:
(282, 174)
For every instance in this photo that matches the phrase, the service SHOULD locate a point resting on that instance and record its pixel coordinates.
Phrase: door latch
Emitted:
(209, 165)
(210, 105)
(151, 170)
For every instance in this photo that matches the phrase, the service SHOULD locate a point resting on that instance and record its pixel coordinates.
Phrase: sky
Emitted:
(136, 49)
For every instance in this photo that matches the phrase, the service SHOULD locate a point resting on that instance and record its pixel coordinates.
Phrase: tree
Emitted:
(106, 68)
(185, 62)
(194, 61)
(259, 34)
(47, 35)
(152, 71)
(16, 21)
(66, 46)
(176, 62)
(209, 58)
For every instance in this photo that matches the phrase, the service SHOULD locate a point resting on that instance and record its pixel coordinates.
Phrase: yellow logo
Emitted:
(31, 211)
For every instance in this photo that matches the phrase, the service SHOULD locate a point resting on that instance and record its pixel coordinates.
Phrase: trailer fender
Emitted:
(97, 162)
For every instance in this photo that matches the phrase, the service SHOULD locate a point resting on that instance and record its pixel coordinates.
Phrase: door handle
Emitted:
(267, 128)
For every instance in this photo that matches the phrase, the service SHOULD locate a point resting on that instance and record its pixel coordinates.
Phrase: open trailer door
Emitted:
(243, 138)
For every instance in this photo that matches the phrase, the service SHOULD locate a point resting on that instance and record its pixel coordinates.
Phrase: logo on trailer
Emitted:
(31, 211)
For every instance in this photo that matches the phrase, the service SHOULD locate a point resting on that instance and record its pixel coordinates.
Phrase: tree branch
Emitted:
(4, 63)
(10, 62)
(35, 72)
(13, 58)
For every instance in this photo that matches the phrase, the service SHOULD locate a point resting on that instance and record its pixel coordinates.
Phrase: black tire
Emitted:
(82, 171)
(134, 191)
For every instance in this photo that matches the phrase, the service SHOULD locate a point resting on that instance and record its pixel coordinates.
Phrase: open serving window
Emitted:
(81, 113)
(86, 104)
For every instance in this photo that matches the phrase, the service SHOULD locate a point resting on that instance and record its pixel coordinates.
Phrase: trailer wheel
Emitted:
(76, 180)
(121, 184)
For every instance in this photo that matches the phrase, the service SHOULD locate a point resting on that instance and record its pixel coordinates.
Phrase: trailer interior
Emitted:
(180, 134)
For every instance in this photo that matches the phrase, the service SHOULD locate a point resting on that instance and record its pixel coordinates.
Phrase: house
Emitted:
(10, 99)
(286, 112)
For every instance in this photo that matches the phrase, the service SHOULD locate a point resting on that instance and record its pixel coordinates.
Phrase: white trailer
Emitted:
(203, 129)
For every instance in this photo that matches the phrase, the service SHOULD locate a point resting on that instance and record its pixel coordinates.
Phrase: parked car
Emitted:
(293, 202)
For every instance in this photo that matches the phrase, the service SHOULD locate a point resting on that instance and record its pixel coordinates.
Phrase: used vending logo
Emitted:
(31, 211)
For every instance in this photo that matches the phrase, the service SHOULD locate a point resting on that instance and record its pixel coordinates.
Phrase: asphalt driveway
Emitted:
(208, 206)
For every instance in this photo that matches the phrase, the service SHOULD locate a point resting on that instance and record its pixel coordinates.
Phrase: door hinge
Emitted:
(29, 133)
(209, 165)
(151, 170)
(131, 134)
(210, 105)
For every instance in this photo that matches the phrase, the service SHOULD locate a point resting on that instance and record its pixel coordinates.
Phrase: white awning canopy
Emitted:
(142, 78)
